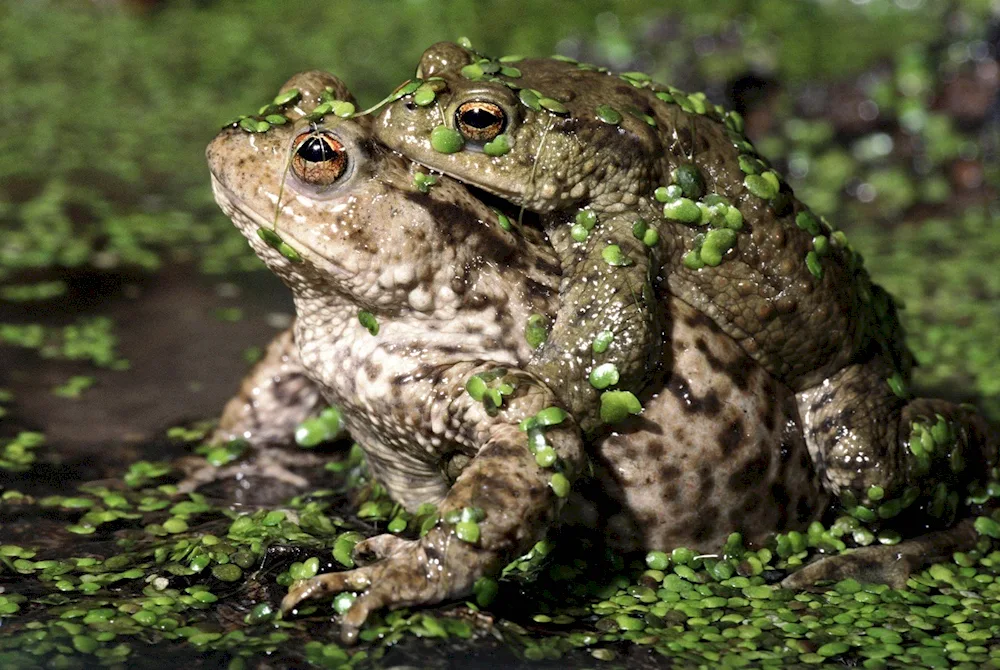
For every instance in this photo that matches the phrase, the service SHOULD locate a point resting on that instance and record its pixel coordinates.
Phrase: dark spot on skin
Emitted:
(583, 316)
(504, 451)
(654, 450)
(737, 370)
(396, 390)
(778, 494)
(372, 369)
(284, 390)
(536, 291)
(698, 320)
(547, 268)
(785, 450)
(359, 238)
(493, 342)
(767, 412)
(670, 492)
(433, 373)
(705, 526)
(731, 437)
(709, 405)
(639, 423)
(822, 401)
(433, 555)
(418, 235)
(751, 473)
(669, 472)
(741, 480)
(830, 424)
(477, 300)
(760, 465)
(780, 504)
(706, 482)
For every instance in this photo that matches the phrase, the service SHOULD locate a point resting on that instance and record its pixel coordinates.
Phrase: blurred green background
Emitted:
(107, 107)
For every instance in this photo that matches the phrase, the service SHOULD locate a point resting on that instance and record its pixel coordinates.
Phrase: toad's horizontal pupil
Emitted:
(315, 150)
(479, 118)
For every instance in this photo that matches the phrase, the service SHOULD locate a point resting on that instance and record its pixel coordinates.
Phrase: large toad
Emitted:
(731, 241)
(412, 300)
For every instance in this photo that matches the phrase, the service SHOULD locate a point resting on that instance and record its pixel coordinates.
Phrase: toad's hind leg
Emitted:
(881, 453)
(274, 398)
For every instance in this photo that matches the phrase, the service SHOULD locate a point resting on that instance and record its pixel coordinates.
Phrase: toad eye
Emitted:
(318, 159)
(480, 121)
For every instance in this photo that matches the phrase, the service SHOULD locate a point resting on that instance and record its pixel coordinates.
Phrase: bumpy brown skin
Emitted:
(800, 329)
(834, 339)
(717, 448)
(556, 167)
(444, 309)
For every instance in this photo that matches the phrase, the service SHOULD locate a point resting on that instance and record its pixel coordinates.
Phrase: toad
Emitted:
(413, 302)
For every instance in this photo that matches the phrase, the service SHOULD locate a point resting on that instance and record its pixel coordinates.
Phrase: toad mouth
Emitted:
(249, 221)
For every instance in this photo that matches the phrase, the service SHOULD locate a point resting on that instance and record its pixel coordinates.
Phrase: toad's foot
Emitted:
(890, 565)
(265, 463)
(437, 567)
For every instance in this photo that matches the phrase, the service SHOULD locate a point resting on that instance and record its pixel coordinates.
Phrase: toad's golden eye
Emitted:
(319, 159)
(480, 121)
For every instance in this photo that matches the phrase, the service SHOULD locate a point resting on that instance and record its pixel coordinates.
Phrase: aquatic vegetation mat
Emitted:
(125, 572)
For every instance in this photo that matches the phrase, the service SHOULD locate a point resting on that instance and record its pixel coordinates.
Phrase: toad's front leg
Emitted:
(525, 453)
(607, 330)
